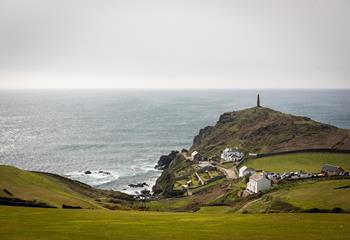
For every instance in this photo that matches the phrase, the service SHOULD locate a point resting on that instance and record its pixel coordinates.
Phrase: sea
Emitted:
(119, 135)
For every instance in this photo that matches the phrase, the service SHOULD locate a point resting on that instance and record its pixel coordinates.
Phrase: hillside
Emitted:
(263, 130)
(24, 188)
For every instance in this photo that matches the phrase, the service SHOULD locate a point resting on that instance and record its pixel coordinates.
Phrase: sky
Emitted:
(175, 44)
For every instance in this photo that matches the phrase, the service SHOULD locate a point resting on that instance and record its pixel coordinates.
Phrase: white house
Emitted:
(246, 171)
(196, 156)
(253, 155)
(231, 154)
(258, 182)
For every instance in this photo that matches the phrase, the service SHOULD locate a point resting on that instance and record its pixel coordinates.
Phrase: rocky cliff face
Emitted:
(264, 130)
(164, 184)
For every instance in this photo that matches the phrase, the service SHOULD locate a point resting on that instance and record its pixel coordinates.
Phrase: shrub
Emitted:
(280, 205)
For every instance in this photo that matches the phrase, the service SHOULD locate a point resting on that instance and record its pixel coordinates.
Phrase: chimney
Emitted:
(258, 101)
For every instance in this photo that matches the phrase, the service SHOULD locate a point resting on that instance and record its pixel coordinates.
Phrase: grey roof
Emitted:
(331, 168)
(257, 177)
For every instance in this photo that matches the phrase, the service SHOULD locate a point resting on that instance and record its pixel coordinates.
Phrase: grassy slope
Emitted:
(264, 130)
(30, 223)
(34, 186)
(321, 194)
(309, 162)
(307, 195)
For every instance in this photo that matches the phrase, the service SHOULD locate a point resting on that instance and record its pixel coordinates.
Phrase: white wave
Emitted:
(95, 178)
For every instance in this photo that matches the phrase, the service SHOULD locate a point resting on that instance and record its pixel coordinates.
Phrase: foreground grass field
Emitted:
(32, 223)
(308, 162)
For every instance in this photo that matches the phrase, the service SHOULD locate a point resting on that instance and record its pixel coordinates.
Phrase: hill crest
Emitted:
(264, 130)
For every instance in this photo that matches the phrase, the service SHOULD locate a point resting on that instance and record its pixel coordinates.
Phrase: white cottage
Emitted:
(231, 154)
(258, 182)
(246, 171)
(196, 156)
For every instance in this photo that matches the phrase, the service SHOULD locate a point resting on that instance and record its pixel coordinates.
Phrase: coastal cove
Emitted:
(125, 132)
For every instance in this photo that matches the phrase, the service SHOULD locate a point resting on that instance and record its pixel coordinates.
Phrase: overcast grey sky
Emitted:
(175, 44)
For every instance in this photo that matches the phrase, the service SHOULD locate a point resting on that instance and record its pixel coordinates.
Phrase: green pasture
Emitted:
(308, 162)
(17, 223)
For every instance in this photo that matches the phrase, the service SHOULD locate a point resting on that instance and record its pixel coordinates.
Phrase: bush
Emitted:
(283, 206)
(337, 210)
(317, 210)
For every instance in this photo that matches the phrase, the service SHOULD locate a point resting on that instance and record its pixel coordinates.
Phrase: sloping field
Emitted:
(308, 162)
(29, 186)
(33, 223)
(321, 194)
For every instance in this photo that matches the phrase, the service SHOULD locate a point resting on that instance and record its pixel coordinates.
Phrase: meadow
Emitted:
(304, 195)
(17, 223)
(319, 194)
(308, 162)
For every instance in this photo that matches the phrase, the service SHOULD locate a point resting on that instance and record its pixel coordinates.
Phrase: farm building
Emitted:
(232, 154)
(196, 156)
(331, 170)
(245, 171)
(258, 182)
(253, 155)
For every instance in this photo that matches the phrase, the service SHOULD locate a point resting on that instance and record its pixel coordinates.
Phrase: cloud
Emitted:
(142, 44)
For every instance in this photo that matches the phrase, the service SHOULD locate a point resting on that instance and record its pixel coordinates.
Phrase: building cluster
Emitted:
(261, 181)
(232, 154)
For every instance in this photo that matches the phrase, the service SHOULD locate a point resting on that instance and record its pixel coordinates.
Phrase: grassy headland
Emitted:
(263, 130)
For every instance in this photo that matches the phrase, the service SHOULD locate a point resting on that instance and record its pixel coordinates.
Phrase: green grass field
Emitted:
(18, 223)
(322, 194)
(308, 162)
(33, 186)
(167, 204)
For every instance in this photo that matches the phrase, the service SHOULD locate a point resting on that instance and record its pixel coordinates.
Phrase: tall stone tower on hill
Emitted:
(258, 101)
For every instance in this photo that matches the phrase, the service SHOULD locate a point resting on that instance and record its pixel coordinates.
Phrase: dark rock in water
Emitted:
(124, 189)
(138, 185)
(88, 172)
(145, 192)
(165, 160)
(103, 172)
